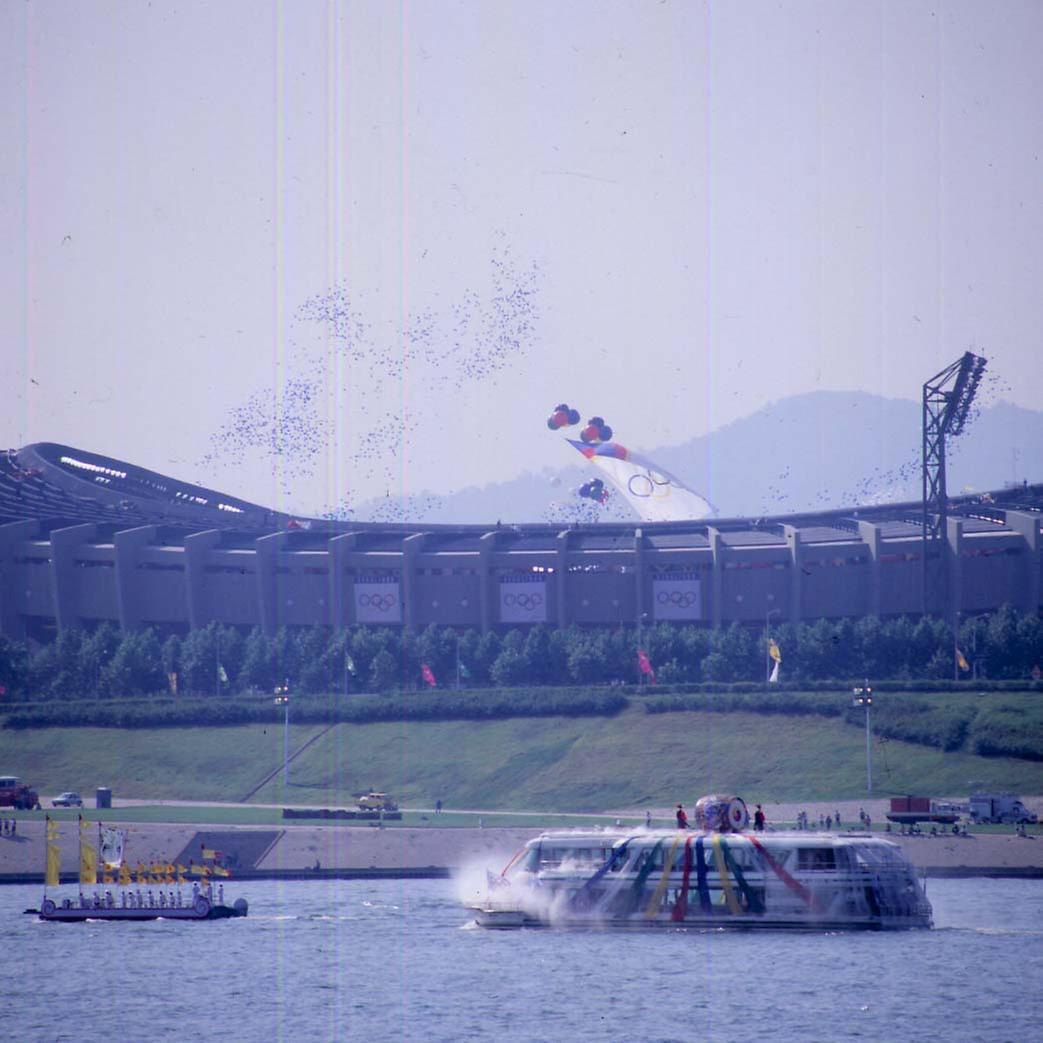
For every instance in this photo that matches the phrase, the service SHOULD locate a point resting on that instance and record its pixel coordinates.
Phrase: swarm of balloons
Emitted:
(596, 431)
(594, 490)
(562, 416)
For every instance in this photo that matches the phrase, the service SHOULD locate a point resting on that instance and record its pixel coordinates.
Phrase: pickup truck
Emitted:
(16, 794)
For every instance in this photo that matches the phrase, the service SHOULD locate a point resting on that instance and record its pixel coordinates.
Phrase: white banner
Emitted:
(523, 600)
(679, 597)
(377, 601)
(112, 847)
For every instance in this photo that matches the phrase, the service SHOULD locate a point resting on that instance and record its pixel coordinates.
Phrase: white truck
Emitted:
(1002, 807)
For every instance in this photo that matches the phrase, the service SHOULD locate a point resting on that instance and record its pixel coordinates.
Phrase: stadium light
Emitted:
(863, 696)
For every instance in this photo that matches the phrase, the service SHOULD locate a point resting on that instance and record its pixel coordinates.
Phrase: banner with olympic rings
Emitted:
(523, 601)
(679, 597)
(378, 603)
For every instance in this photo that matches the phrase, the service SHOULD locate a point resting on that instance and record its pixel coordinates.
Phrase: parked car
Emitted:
(67, 800)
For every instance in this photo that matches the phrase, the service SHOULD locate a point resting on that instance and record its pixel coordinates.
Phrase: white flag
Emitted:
(775, 672)
(112, 847)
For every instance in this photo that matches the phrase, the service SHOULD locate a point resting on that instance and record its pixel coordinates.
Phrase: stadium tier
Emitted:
(85, 538)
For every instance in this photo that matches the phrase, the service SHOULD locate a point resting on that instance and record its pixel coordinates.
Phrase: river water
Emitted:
(395, 960)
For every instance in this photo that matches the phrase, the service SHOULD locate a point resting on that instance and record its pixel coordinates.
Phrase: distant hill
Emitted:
(807, 452)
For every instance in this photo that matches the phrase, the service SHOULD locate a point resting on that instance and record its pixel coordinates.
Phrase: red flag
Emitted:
(427, 674)
(644, 665)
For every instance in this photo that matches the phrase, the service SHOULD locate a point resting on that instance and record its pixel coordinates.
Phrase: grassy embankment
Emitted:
(635, 759)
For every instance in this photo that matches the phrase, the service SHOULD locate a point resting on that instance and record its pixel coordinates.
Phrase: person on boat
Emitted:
(758, 819)
(682, 818)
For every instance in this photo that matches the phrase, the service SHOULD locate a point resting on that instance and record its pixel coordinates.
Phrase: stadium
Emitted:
(86, 539)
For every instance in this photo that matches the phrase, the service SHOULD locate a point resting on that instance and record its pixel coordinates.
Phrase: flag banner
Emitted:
(523, 599)
(349, 665)
(200, 870)
(125, 878)
(222, 674)
(221, 871)
(141, 872)
(181, 873)
(645, 665)
(88, 863)
(210, 854)
(377, 601)
(112, 841)
(464, 672)
(53, 872)
(172, 681)
(774, 651)
(428, 675)
(961, 662)
(774, 676)
(678, 597)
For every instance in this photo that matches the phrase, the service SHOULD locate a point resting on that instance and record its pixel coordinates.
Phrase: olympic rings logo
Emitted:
(381, 602)
(649, 485)
(526, 602)
(679, 598)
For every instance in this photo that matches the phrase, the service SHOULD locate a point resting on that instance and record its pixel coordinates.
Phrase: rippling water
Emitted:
(395, 960)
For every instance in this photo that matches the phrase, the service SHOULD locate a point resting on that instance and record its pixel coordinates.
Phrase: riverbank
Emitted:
(348, 850)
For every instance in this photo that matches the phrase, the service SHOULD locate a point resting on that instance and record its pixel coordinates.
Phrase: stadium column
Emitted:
(639, 577)
(128, 545)
(796, 571)
(12, 621)
(267, 550)
(64, 588)
(1027, 526)
(717, 577)
(870, 533)
(561, 587)
(486, 546)
(338, 549)
(197, 547)
(411, 546)
(954, 552)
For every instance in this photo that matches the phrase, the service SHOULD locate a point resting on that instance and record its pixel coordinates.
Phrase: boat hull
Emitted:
(201, 909)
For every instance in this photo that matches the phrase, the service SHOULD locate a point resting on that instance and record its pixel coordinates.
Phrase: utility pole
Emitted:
(863, 696)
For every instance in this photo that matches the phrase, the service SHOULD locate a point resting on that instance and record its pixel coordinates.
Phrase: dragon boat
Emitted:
(717, 875)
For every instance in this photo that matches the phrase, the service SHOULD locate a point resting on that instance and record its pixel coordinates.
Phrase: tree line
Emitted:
(222, 660)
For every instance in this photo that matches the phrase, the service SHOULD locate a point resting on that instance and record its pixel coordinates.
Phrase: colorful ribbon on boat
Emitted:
(581, 898)
(680, 909)
(726, 881)
(700, 877)
(668, 865)
(794, 885)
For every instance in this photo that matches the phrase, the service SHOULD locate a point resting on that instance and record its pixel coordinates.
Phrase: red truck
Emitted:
(16, 794)
(909, 810)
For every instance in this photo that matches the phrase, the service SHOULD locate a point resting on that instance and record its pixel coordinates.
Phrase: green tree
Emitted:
(258, 669)
(385, 672)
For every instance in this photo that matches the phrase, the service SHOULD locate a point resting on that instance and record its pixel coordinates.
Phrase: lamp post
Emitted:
(863, 696)
(282, 698)
(767, 642)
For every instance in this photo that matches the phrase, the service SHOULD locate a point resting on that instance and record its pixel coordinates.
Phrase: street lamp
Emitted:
(767, 642)
(863, 696)
(282, 698)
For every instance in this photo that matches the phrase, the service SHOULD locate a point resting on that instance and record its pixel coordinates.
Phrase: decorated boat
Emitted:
(111, 889)
(717, 875)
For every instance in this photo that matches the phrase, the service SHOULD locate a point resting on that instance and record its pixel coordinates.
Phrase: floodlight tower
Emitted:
(947, 399)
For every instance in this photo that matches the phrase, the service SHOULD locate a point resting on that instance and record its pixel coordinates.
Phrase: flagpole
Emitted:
(767, 642)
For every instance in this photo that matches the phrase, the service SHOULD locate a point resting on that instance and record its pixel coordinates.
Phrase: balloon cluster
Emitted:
(562, 416)
(596, 431)
(594, 490)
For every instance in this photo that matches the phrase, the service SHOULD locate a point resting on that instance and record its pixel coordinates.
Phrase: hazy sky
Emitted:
(689, 209)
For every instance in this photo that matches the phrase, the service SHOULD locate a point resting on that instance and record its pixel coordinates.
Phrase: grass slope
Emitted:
(634, 759)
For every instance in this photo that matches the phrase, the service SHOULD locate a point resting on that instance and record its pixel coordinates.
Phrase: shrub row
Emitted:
(181, 713)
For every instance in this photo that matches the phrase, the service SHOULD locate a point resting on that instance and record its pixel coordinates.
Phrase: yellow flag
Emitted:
(961, 662)
(221, 871)
(141, 872)
(200, 870)
(88, 859)
(181, 870)
(125, 874)
(209, 853)
(774, 651)
(52, 876)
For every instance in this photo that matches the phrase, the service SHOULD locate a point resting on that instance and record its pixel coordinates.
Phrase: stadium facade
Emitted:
(86, 538)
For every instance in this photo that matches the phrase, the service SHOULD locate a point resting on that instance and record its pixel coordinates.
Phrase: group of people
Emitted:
(826, 822)
(759, 818)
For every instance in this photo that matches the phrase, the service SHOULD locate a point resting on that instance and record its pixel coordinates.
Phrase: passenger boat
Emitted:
(718, 875)
(149, 892)
(139, 906)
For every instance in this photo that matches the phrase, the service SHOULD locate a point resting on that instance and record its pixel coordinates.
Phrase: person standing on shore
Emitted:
(758, 819)
(682, 818)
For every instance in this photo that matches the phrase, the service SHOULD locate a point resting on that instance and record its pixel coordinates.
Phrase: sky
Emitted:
(310, 253)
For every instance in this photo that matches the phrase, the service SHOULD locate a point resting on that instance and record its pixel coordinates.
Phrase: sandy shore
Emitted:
(362, 847)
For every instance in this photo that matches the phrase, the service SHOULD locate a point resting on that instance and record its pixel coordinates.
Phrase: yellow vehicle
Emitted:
(374, 801)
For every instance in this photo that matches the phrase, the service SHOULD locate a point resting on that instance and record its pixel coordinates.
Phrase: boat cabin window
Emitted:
(816, 858)
(579, 856)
